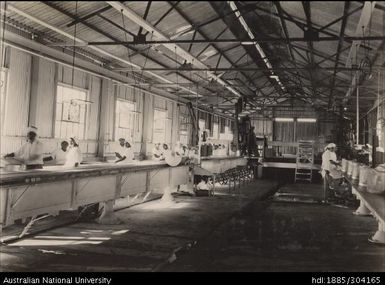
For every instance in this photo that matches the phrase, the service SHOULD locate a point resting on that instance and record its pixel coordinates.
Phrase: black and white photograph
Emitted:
(191, 137)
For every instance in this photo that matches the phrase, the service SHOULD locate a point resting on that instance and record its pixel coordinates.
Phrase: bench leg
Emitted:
(379, 236)
(108, 216)
(362, 210)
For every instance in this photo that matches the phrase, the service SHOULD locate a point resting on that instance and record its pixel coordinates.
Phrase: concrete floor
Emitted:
(145, 241)
(227, 232)
(286, 236)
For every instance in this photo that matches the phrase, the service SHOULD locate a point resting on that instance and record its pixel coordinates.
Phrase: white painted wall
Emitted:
(30, 100)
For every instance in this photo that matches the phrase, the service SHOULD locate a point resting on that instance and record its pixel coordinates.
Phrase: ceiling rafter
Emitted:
(342, 33)
(89, 16)
(302, 24)
(286, 33)
(92, 27)
(188, 20)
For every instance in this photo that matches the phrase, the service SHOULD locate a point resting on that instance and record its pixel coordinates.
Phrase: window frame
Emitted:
(154, 131)
(117, 119)
(86, 111)
(3, 98)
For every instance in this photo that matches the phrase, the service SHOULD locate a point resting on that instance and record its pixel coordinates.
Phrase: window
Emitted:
(380, 134)
(183, 126)
(215, 131)
(71, 110)
(126, 117)
(159, 129)
(202, 125)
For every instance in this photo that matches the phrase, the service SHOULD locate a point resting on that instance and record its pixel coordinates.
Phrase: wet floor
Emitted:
(287, 236)
(144, 241)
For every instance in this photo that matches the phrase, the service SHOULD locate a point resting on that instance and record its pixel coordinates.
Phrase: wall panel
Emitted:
(18, 94)
(80, 79)
(93, 114)
(43, 90)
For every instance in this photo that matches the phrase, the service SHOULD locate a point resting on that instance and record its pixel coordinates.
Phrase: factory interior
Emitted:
(192, 136)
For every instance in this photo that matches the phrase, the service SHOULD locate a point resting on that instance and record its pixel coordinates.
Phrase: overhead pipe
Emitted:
(362, 25)
(83, 42)
(115, 81)
(358, 116)
(130, 14)
(41, 55)
(240, 41)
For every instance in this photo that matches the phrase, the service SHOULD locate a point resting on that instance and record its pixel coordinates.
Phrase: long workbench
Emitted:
(52, 189)
(370, 204)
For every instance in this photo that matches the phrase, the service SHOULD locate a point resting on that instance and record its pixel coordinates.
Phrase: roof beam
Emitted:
(173, 47)
(239, 41)
(344, 16)
(145, 15)
(236, 68)
(127, 46)
(362, 25)
(300, 23)
(95, 13)
(342, 32)
(60, 31)
(286, 33)
(221, 52)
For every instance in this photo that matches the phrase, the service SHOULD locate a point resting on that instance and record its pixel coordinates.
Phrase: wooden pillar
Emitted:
(236, 131)
(107, 116)
(148, 121)
(175, 124)
(42, 100)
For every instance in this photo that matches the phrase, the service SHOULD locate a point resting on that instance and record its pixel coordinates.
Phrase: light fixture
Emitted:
(306, 120)
(247, 43)
(284, 119)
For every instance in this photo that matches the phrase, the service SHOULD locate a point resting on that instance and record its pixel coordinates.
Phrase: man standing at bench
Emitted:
(31, 152)
(329, 159)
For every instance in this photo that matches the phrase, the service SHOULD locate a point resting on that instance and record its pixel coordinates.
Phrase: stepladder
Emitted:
(304, 161)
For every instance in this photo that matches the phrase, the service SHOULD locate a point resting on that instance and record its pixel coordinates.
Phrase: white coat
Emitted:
(30, 153)
(326, 165)
(74, 156)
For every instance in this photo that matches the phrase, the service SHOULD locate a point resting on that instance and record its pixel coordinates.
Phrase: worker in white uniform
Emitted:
(31, 153)
(126, 154)
(329, 162)
(59, 155)
(74, 156)
(157, 153)
(121, 151)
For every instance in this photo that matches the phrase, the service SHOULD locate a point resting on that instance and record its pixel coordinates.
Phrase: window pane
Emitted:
(70, 115)
(125, 117)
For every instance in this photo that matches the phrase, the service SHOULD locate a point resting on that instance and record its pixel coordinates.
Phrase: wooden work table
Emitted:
(30, 193)
(58, 172)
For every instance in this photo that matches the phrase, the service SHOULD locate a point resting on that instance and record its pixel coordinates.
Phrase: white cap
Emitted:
(330, 145)
(75, 139)
(32, 129)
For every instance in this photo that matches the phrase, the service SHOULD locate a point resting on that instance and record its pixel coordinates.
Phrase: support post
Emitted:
(379, 236)
(358, 115)
(362, 210)
(108, 216)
